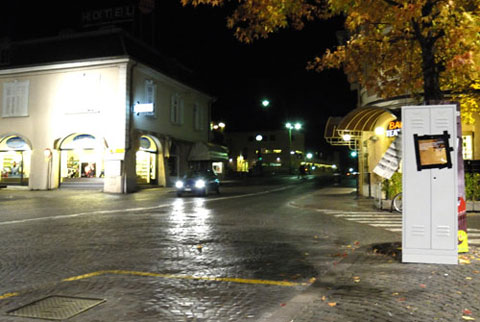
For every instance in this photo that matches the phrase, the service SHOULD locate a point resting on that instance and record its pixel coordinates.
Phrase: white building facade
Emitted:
(112, 121)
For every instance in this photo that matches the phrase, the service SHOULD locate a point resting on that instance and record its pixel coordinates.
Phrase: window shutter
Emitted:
(15, 99)
(149, 91)
(181, 111)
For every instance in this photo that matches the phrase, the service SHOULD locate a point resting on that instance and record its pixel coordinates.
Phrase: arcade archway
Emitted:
(146, 160)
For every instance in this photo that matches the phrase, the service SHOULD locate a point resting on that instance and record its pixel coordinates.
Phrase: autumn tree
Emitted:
(427, 48)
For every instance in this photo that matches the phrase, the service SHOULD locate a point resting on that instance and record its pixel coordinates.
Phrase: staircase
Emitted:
(82, 183)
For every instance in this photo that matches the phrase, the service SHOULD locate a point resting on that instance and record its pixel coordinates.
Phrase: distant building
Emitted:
(266, 151)
(269, 152)
(99, 108)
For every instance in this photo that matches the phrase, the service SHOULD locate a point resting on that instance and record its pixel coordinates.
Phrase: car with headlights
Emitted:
(198, 182)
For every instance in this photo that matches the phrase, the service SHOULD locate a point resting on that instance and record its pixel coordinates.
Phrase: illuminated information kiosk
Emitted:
(430, 190)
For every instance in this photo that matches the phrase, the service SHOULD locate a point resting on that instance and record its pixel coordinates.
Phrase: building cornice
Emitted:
(66, 65)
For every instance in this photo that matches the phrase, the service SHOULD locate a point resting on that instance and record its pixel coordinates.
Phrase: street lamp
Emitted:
(265, 103)
(297, 126)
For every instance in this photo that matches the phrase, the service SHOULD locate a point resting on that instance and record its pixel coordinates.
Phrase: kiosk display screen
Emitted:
(432, 151)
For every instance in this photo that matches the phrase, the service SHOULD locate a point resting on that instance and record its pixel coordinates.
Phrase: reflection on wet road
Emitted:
(234, 257)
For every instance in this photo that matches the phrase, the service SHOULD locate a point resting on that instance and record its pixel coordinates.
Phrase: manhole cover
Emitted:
(56, 307)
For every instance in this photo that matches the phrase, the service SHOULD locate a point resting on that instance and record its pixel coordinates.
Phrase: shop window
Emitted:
(82, 156)
(217, 167)
(15, 99)
(14, 161)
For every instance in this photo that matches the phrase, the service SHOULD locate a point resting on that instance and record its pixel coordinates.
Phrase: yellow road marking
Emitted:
(7, 295)
(188, 277)
(172, 276)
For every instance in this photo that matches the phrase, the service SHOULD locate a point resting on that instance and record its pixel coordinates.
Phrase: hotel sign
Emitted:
(393, 129)
(108, 15)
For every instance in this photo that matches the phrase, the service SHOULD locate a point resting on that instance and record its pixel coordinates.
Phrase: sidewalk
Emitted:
(371, 283)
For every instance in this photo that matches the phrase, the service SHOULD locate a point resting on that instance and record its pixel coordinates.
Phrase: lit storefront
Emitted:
(367, 131)
(14, 160)
(146, 162)
(81, 156)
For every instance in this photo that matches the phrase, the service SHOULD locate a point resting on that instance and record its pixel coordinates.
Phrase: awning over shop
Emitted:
(353, 124)
(208, 152)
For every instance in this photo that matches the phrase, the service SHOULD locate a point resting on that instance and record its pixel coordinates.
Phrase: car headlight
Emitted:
(179, 184)
(200, 183)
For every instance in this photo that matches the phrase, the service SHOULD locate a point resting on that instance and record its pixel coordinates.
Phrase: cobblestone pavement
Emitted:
(371, 283)
(276, 254)
(155, 257)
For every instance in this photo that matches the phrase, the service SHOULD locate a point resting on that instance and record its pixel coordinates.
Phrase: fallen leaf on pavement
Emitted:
(283, 304)
(332, 304)
(324, 298)
(395, 294)
(401, 299)
(468, 318)
(423, 285)
(356, 279)
(468, 278)
(467, 312)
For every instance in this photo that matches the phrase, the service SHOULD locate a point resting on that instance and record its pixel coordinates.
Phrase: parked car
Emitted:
(199, 183)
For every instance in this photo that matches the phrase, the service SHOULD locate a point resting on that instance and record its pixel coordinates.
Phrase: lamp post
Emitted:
(297, 126)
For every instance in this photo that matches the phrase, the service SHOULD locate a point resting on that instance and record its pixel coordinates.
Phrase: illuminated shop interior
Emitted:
(147, 161)
(15, 156)
(82, 156)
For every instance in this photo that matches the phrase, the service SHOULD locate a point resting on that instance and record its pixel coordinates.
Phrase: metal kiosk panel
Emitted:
(430, 188)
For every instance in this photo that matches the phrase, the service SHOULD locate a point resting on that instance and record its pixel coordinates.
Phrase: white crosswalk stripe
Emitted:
(473, 236)
(388, 221)
(391, 222)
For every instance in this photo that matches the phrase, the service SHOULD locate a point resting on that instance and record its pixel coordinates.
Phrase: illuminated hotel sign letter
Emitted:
(143, 108)
(393, 129)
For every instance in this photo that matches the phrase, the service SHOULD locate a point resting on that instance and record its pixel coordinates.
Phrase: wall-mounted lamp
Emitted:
(379, 130)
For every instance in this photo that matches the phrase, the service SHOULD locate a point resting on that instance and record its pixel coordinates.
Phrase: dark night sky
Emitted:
(238, 75)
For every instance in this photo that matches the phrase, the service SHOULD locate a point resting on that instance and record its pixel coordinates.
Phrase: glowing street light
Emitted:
(265, 103)
(297, 126)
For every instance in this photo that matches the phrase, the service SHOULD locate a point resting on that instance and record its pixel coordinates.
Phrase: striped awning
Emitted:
(354, 123)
